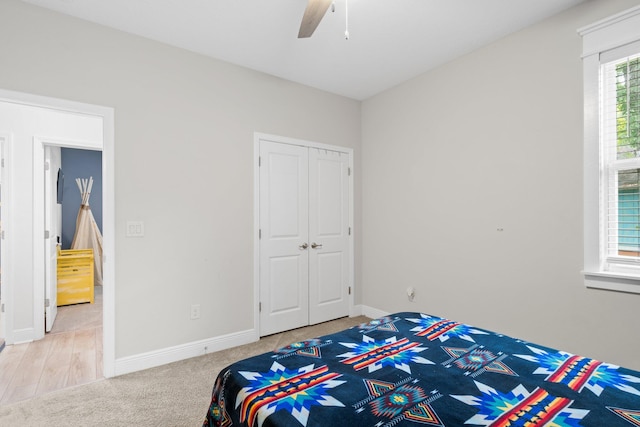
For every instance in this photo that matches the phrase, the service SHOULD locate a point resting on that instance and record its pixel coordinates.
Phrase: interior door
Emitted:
(284, 233)
(53, 226)
(328, 235)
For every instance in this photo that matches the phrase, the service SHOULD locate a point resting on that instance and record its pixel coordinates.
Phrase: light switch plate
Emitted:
(135, 229)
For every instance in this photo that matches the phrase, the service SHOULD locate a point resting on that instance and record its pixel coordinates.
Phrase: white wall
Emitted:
(22, 123)
(491, 140)
(184, 129)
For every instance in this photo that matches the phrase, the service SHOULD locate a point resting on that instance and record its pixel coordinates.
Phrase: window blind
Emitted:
(620, 115)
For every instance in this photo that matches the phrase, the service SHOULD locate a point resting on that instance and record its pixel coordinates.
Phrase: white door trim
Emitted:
(52, 211)
(108, 215)
(257, 137)
(7, 269)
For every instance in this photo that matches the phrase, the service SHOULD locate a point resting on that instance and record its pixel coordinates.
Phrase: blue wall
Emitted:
(79, 164)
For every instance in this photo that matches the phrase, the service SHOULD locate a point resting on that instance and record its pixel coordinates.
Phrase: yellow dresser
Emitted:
(75, 276)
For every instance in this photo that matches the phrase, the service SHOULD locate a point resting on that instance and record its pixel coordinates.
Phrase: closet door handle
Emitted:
(314, 245)
(303, 246)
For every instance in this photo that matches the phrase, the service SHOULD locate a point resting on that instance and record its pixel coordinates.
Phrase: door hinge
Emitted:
(46, 166)
(349, 171)
(259, 233)
(349, 231)
(349, 290)
(2, 162)
(2, 235)
(259, 307)
(259, 161)
(47, 303)
(46, 234)
(2, 308)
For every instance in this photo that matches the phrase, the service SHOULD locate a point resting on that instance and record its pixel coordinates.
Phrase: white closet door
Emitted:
(328, 235)
(284, 226)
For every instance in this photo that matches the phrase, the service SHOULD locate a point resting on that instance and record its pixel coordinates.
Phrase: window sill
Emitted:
(620, 282)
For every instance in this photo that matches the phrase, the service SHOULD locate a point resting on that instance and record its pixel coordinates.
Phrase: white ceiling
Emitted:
(390, 40)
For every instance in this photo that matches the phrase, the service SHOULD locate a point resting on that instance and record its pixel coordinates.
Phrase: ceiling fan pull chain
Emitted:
(346, 31)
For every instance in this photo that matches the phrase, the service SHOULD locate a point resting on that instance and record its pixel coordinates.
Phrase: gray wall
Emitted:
(184, 127)
(492, 140)
(80, 164)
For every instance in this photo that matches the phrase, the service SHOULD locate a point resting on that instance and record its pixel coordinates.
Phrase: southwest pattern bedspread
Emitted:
(418, 370)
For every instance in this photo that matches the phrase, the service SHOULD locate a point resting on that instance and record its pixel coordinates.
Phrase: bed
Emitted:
(414, 369)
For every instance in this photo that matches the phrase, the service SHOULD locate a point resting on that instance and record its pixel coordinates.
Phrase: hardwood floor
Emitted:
(71, 354)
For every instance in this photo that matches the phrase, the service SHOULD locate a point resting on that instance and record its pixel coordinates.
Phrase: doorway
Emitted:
(70, 353)
(20, 326)
(63, 201)
(304, 223)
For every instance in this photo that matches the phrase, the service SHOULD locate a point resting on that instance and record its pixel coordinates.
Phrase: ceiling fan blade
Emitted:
(312, 16)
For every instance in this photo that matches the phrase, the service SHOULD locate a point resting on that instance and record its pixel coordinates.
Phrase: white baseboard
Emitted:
(21, 336)
(139, 362)
(355, 310)
(372, 313)
(163, 356)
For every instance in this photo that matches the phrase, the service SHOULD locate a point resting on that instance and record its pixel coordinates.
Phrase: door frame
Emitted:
(5, 215)
(257, 137)
(39, 220)
(108, 197)
(50, 258)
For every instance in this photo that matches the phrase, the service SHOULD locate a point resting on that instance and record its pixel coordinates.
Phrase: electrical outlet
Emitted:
(195, 311)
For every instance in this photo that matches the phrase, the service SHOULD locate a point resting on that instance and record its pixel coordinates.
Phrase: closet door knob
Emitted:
(303, 246)
(314, 245)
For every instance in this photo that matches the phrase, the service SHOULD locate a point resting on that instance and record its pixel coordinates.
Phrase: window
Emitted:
(620, 151)
(611, 58)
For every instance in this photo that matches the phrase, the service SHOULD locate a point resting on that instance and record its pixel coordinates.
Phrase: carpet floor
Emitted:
(175, 394)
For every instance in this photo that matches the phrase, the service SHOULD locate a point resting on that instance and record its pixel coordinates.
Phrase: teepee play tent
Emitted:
(88, 234)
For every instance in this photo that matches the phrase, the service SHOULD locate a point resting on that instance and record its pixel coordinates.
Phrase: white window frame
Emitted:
(598, 39)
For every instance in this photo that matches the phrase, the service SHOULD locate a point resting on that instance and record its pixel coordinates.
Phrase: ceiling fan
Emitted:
(313, 14)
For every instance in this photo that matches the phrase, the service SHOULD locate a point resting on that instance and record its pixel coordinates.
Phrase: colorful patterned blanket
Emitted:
(413, 369)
